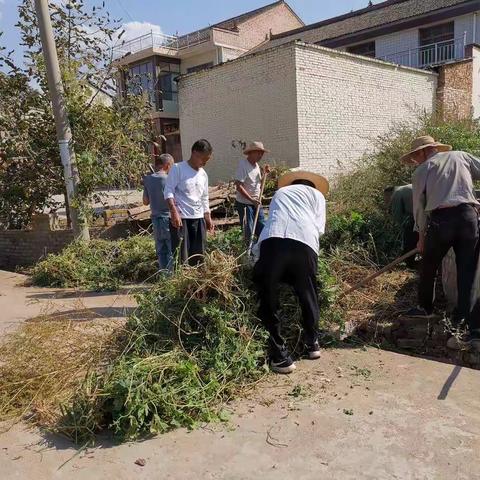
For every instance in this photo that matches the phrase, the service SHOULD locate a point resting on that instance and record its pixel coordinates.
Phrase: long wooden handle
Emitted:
(380, 272)
(257, 213)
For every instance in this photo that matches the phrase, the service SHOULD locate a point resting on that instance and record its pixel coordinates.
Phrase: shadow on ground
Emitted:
(86, 314)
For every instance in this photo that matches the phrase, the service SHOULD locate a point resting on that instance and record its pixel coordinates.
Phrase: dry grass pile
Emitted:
(382, 300)
(44, 362)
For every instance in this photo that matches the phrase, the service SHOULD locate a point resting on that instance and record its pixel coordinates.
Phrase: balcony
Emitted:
(170, 45)
(430, 55)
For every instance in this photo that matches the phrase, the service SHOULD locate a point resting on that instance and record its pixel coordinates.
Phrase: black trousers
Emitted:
(188, 242)
(455, 228)
(294, 263)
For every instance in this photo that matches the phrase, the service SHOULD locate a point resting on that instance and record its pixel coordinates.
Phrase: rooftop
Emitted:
(376, 15)
(174, 43)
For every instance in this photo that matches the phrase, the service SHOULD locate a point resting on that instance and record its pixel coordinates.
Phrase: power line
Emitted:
(125, 10)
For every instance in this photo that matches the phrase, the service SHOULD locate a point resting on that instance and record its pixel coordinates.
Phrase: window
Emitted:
(365, 49)
(140, 80)
(437, 34)
(197, 68)
(166, 85)
(437, 44)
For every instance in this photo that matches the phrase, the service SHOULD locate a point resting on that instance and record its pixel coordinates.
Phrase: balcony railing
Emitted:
(430, 55)
(159, 40)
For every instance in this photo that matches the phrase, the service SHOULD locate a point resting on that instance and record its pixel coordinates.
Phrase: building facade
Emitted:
(313, 107)
(414, 33)
(152, 63)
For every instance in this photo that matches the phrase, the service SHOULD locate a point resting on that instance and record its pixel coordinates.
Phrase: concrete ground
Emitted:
(357, 413)
(19, 302)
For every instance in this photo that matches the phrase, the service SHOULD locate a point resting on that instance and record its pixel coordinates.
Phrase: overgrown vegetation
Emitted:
(194, 341)
(361, 190)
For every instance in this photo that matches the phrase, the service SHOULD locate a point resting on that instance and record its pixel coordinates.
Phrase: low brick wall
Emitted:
(23, 248)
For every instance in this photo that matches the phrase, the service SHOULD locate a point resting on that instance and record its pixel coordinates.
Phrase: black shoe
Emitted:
(284, 366)
(313, 351)
(418, 312)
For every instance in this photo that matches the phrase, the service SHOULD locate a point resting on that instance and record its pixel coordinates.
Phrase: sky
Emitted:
(182, 16)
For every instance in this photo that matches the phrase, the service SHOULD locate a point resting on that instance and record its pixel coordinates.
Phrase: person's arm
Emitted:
(169, 195)
(419, 203)
(206, 207)
(145, 198)
(321, 214)
(474, 163)
(241, 189)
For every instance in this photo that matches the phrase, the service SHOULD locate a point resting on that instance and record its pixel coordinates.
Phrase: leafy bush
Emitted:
(98, 265)
(361, 189)
(376, 233)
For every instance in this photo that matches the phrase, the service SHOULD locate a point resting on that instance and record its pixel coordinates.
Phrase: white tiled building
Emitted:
(415, 33)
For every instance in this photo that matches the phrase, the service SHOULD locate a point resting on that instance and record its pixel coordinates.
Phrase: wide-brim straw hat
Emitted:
(424, 142)
(255, 147)
(321, 183)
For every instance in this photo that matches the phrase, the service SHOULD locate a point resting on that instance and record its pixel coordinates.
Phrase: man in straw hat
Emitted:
(445, 211)
(289, 246)
(248, 181)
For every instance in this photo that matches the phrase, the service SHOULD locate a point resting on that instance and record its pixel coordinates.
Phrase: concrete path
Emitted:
(19, 302)
(354, 414)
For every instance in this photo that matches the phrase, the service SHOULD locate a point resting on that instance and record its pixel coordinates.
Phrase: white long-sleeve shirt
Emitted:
(189, 188)
(296, 212)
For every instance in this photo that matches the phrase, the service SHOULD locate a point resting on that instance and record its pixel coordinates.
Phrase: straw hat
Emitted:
(255, 147)
(321, 183)
(423, 142)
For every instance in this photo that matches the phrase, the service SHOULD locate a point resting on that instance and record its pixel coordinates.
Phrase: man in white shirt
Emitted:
(289, 246)
(186, 192)
(248, 180)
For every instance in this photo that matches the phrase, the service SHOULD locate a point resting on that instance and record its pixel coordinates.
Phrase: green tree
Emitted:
(109, 133)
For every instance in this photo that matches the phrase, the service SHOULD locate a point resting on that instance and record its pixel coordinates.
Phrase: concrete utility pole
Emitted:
(64, 133)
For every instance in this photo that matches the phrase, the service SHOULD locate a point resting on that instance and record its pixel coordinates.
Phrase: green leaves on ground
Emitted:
(99, 265)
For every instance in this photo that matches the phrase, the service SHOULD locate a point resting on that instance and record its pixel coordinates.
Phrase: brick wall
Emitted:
(250, 98)
(311, 106)
(454, 92)
(22, 248)
(346, 101)
(278, 19)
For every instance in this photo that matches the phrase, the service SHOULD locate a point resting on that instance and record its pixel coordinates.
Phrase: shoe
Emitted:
(313, 351)
(418, 312)
(284, 366)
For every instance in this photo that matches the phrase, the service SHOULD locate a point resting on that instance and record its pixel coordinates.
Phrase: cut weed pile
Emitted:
(99, 265)
(191, 345)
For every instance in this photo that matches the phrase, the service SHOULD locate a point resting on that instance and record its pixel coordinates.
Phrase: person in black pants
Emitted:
(288, 247)
(186, 193)
(445, 210)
